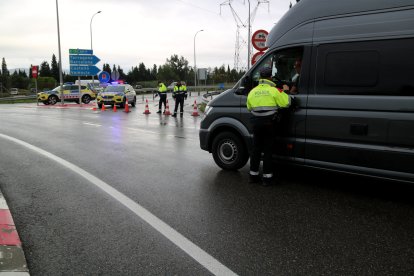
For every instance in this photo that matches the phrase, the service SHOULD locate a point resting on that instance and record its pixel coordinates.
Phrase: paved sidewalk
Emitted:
(12, 259)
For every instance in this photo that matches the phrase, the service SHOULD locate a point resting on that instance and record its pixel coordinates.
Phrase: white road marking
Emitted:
(91, 124)
(195, 252)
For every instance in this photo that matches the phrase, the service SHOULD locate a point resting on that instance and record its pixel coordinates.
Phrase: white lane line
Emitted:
(195, 252)
(91, 124)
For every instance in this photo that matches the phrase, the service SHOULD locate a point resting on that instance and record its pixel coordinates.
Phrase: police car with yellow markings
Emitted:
(70, 94)
(117, 94)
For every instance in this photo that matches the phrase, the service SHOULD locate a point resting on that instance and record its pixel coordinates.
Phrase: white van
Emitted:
(14, 91)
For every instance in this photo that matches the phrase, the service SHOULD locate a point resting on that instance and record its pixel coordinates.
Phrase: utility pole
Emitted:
(241, 24)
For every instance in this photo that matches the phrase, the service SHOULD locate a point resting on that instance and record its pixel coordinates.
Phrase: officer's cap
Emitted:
(266, 72)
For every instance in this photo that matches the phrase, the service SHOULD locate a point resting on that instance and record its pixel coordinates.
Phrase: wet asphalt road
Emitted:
(338, 225)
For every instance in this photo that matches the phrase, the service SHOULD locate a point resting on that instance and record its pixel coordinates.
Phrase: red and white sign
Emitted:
(256, 57)
(35, 70)
(259, 40)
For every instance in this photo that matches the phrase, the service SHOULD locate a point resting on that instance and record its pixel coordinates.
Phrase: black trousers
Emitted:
(179, 100)
(264, 133)
(163, 100)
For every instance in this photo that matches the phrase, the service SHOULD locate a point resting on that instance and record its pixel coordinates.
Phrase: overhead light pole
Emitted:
(195, 64)
(60, 56)
(90, 27)
(248, 40)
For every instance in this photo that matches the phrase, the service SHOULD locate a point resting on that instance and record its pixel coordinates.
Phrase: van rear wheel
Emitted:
(229, 152)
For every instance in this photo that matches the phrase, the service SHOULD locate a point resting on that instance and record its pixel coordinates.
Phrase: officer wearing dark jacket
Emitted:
(263, 102)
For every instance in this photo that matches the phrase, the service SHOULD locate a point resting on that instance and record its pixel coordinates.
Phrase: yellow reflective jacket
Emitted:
(162, 88)
(180, 90)
(265, 99)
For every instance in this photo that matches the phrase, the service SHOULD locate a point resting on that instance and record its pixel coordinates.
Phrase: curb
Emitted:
(12, 259)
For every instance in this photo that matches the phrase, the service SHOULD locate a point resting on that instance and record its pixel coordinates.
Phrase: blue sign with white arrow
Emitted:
(81, 70)
(83, 59)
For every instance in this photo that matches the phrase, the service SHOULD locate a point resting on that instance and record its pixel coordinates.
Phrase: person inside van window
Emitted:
(293, 89)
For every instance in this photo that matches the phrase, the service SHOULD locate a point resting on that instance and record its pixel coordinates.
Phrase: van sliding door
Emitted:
(360, 113)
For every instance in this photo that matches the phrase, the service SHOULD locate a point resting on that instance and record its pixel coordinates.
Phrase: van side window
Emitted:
(285, 66)
(383, 68)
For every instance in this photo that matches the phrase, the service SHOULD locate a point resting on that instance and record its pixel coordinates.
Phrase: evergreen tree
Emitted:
(54, 71)
(122, 75)
(142, 72)
(106, 68)
(44, 70)
(154, 72)
(5, 75)
(4, 71)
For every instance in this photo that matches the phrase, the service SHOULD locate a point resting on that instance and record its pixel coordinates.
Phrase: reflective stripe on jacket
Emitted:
(265, 99)
(180, 90)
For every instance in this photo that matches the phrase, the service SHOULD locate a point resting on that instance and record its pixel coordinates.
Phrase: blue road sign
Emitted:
(83, 59)
(80, 52)
(80, 70)
(104, 77)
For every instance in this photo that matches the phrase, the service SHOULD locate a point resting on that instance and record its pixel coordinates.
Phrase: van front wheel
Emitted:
(229, 152)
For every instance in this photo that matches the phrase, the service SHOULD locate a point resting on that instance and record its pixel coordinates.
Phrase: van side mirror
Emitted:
(243, 89)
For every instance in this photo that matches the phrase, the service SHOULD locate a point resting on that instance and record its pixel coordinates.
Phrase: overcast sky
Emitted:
(128, 32)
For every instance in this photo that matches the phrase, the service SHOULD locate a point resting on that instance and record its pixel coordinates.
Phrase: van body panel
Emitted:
(354, 111)
(300, 35)
(391, 24)
(308, 11)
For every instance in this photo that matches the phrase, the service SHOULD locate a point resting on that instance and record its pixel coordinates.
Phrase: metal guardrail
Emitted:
(16, 98)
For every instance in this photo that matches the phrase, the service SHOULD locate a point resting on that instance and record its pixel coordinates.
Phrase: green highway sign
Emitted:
(80, 52)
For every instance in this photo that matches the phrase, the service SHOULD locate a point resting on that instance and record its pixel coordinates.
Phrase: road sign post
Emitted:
(256, 57)
(259, 40)
(82, 63)
(259, 43)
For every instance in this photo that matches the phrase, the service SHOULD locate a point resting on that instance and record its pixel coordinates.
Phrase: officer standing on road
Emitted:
(179, 93)
(184, 89)
(263, 102)
(162, 92)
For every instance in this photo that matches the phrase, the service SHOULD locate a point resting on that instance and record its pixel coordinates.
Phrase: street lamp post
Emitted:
(60, 56)
(195, 64)
(90, 27)
(248, 40)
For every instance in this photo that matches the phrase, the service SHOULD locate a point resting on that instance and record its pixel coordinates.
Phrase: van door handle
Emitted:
(359, 129)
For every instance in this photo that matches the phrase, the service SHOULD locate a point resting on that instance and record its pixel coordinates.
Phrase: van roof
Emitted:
(309, 10)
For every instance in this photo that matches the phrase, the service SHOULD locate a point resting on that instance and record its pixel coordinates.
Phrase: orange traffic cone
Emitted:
(95, 107)
(103, 107)
(195, 112)
(114, 107)
(167, 110)
(146, 108)
(126, 106)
